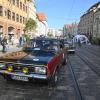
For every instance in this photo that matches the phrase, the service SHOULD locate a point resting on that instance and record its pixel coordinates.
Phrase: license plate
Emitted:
(20, 78)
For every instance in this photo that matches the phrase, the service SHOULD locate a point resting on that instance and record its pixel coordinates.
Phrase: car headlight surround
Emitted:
(25, 70)
(9, 68)
(40, 70)
(2, 66)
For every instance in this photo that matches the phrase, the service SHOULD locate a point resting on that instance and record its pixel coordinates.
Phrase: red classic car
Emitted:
(42, 64)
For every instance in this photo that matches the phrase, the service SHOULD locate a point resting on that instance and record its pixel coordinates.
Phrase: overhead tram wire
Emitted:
(71, 9)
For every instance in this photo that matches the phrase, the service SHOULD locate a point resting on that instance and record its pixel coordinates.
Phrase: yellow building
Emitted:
(13, 15)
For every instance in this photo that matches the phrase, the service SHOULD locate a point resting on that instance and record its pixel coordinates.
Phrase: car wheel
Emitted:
(54, 79)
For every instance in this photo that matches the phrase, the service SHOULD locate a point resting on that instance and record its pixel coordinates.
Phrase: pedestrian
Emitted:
(24, 39)
(12, 40)
(20, 41)
(0, 38)
(4, 44)
(79, 43)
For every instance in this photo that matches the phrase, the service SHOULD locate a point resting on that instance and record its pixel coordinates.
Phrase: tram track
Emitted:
(92, 51)
(89, 63)
(76, 86)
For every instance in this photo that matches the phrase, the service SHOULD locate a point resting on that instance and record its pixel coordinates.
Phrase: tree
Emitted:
(50, 34)
(30, 25)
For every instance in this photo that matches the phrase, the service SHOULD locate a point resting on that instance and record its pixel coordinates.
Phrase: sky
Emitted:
(61, 12)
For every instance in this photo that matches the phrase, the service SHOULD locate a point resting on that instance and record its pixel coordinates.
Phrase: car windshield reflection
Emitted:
(44, 53)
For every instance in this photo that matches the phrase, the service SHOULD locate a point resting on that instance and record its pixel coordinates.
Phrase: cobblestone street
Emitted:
(86, 67)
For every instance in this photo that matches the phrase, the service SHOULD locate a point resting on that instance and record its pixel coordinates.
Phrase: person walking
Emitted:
(0, 38)
(79, 43)
(12, 40)
(20, 41)
(4, 44)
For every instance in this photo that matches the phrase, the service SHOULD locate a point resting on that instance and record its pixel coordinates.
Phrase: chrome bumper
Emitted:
(36, 76)
(71, 50)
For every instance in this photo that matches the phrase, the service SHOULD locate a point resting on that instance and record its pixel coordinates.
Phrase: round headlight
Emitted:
(10, 68)
(25, 70)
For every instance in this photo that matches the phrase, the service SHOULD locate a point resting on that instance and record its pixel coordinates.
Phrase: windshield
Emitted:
(42, 53)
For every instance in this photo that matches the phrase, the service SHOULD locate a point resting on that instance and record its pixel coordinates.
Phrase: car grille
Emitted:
(19, 67)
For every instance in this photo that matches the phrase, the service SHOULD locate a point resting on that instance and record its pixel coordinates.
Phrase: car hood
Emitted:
(25, 58)
(30, 59)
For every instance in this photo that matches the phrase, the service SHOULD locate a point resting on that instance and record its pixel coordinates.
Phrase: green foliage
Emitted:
(49, 34)
(1, 33)
(26, 36)
(30, 25)
(96, 40)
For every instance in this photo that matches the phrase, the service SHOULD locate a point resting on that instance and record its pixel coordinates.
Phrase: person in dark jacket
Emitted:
(20, 41)
(4, 43)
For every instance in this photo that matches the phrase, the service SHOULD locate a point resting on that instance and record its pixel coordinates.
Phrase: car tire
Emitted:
(54, 79)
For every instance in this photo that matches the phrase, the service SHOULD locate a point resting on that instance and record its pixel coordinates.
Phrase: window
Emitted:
(10, 1)
(43, 53)
(13, 16)
(13, 1)
(26, 8)
(23, 7)
(17, 18)
(5, 12)
(1, 11)
(9, 14)
(21, 19)
(20, 5)
(17, 1)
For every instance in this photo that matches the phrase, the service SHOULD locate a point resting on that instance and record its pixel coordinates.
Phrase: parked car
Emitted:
(66, 44)
(39, 64)
(70, 46)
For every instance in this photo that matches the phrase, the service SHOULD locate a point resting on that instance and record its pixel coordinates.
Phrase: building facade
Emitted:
(31, 10)
(13, 15)
(96, 26)
(31, 13)
(89, 22)
(54, 32)
(70, 30)
(42, 28)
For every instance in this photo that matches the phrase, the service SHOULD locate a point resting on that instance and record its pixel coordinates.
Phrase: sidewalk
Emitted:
(12, 48)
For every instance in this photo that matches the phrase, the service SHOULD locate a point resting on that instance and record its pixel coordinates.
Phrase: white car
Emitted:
(70, 46)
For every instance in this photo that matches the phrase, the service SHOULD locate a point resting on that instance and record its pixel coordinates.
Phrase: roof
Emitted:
(95, 5)
(41, 16)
